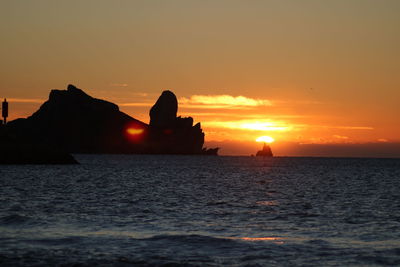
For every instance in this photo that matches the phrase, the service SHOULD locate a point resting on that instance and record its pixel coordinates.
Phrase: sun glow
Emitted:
(263, 126)
(134, 131)
(222, 101)
(265, 139)
(252, 125)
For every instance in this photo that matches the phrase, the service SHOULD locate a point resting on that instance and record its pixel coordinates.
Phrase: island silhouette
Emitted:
(71, 121)
(265, 152)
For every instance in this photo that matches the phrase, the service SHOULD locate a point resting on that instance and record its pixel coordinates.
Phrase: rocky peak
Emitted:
(163, 113)
(75, 98)
(265, 152)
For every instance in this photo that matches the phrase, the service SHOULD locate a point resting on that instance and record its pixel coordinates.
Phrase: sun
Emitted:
(265, 139)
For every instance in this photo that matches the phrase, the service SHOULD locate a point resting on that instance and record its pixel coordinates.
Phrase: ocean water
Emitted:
(132, 210)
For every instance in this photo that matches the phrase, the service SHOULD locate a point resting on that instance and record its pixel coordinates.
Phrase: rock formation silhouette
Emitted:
(265, 152)
(172, 134)
(73, 121)
(19, 151)
(163, 113)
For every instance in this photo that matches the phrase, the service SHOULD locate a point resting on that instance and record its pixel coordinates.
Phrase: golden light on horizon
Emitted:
(223, 101)
(265, 139)
(252, 125)
(263, 126)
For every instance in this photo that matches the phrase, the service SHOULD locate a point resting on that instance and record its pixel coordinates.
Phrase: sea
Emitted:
(167, 210)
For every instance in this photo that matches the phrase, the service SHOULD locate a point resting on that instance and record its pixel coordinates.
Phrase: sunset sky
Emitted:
(311, 74)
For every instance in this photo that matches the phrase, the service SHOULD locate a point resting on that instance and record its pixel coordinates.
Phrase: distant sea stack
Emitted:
(78, 123)
(265, 152)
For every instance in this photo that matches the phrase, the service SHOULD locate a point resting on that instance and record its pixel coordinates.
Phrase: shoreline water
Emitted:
(201, 211)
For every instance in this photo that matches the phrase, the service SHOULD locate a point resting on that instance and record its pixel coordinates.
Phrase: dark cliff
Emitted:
(78, 123)
(172, 134)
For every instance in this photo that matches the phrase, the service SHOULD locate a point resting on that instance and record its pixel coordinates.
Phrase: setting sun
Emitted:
(265, 139)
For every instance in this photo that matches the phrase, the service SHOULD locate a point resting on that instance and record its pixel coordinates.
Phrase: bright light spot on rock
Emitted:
(134, 131)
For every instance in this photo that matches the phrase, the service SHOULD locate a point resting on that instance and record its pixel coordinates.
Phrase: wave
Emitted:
(192, 238)
(15, 219)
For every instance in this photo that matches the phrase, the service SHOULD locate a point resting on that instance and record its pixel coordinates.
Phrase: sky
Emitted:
(320, 77)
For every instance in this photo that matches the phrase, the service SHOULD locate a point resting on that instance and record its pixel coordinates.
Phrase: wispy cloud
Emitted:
(310, 126)
(350, 127)
(382, 140)
(211, 106)
(25, 100)
(277, 125)
(251, 125)
(224, 114)
(136, 104)
(221, 101)
(342, 137)
(119, 84)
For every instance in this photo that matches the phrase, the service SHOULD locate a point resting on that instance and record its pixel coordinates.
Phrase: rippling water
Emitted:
(207, 211)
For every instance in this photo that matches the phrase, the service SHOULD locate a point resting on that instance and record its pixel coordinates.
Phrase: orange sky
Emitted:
(303, 72)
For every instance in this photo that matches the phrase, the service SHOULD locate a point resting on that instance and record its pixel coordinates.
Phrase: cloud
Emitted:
(25, 100)
(222, 113)
(341, 137)
(119, 84)
(204, 102)
(383, 140)
(353, 127)
(250, 125)
(334, 127)
(222, 101)
(135, 104)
